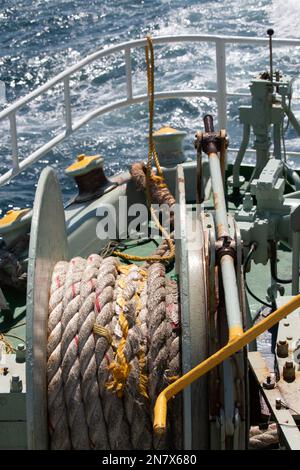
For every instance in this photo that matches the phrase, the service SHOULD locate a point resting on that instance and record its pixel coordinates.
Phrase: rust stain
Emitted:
(213, 155)
(181, 180)
(220, 230)
(216, 200)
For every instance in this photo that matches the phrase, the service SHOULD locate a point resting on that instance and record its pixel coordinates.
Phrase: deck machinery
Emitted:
(229, 215)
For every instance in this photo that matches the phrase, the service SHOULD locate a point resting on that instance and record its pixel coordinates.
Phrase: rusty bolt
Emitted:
(268, 384)
(289, 373)
(282, 349)
(278, 403)
(16, 384)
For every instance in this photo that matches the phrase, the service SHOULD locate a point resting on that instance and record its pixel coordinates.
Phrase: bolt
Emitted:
(5, 370)
(21, 352)
(286, 324)
(289, 338)
(278, 403)
(247, 202)
(282, 349)
(268, 384)
(289, 373)
(16, 384)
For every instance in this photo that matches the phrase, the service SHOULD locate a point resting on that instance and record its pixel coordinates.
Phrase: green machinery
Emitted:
(267, 212)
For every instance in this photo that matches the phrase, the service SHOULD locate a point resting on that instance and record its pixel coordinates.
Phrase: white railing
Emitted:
(220, 94)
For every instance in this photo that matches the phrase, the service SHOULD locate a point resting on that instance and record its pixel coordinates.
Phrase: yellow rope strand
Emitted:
(102, 331)
(8, 347)
(152, 155)
(120, 368)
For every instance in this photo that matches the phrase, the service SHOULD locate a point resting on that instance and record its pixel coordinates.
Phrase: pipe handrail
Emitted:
(220, 94)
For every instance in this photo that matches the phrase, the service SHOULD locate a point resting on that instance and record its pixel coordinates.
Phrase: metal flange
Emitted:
(190, 266)
(48, 244)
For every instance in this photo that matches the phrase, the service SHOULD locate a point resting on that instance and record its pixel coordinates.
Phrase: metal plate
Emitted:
(190, 262)
(48, 244)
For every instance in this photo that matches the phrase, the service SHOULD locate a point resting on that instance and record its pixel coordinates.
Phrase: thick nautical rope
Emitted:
(260, 439)
(57, 412)
(87, 360)
(69, 354)
(102, 354)
(105, 327)
(173, 370)
(135, 350)
(152, 155)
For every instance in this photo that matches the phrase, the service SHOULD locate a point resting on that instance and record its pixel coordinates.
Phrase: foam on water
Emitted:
(39, 39)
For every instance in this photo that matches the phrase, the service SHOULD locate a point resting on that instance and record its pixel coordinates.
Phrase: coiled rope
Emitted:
(113, 345)
(262, 439)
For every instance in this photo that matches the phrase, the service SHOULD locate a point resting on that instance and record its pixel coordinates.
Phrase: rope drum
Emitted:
(113, 345)
(114, 337)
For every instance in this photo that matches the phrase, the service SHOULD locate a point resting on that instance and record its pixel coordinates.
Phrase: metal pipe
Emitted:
(232, 300)
(295, 262)
(293, 195)
(220, 42)
(218, 195)
(141, 43)
(233, 346)
(240, 155)
(270, 33)
(221, 83)
(277, 141)
(128, 73)
(14, 142)
(37, 154)
(68, 105)
(292, 118)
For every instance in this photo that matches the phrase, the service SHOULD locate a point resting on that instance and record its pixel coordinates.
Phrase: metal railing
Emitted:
(220, 94)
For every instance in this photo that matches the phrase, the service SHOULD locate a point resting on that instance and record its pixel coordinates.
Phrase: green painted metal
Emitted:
(274, 217)
(267, 109)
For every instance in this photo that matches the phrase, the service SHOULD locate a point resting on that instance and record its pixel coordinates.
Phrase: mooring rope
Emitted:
(263, 438)
(151, 179)
(113, 345)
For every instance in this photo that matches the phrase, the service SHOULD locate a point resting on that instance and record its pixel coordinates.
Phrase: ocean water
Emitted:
(40, 38)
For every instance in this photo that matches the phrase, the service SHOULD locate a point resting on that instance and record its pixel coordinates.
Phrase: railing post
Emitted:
(128, 73)
(67, 104)
(14, 141)
(221, 83)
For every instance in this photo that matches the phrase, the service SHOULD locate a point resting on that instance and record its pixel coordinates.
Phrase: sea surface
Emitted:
(40, 38)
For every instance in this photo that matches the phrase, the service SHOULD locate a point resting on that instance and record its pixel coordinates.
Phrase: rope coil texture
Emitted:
(113, 345)
(262, 439)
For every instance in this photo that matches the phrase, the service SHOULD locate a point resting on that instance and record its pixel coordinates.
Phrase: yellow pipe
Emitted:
(234, 345)
(235, 331)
